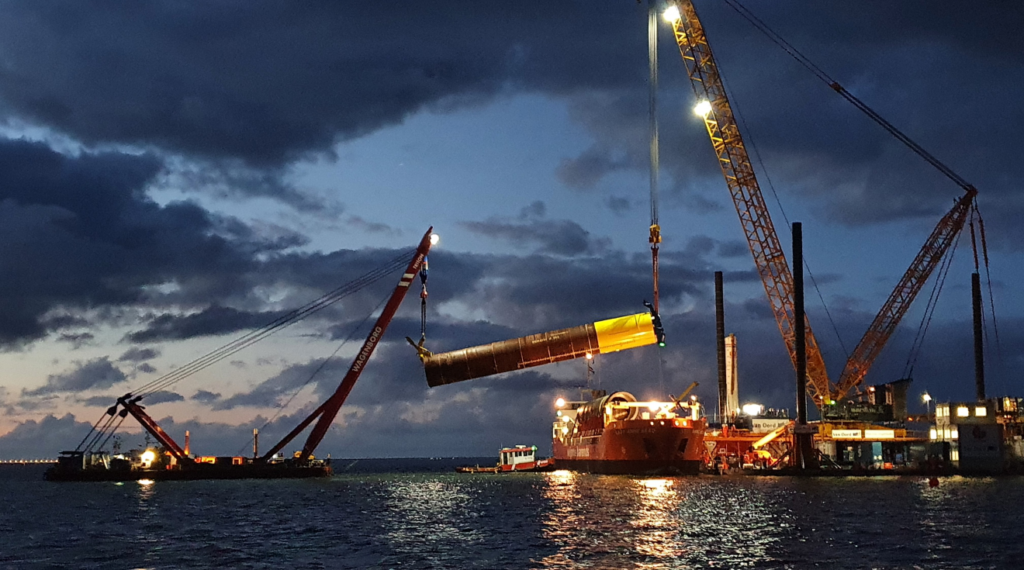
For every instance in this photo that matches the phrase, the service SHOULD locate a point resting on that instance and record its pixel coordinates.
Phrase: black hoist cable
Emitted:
(423, 301)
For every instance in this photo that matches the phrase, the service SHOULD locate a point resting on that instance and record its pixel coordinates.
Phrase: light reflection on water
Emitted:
(609, 522)
(428, 511)
(552, 520)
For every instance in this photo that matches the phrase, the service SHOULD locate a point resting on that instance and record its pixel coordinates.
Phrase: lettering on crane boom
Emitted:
(365, 353)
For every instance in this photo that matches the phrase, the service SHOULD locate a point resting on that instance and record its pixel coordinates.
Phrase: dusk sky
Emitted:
(176, 174)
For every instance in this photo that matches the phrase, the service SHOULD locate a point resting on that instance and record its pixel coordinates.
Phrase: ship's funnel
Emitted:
(602, 337)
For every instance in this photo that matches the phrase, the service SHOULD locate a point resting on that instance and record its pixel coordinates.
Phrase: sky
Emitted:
(175, 175)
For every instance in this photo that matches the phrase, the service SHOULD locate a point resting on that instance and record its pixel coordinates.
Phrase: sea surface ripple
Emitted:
(545, 520)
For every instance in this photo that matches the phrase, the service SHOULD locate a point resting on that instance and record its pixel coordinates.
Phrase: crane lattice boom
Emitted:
(746, 194)
(899, 301)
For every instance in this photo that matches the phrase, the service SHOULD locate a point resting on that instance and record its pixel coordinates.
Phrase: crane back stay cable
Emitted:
(761, 26)
(282, 407)
(274, 326)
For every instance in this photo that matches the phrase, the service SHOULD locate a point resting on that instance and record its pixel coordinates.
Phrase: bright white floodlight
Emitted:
(703, 108)
(434, 238)
(752, 409)
(671, 14)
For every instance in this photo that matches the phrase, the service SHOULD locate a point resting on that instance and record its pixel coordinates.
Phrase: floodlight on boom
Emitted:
(703, 109)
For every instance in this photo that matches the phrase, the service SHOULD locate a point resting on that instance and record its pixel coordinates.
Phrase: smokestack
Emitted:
(255, 443)
(723, 399)
(187, 441)
(732, 390)
(979, 347)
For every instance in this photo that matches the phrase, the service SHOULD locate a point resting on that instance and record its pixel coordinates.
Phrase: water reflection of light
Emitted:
(600, 521)
(561, 477)
(427, 513)
(657, 485)
(655, 519)
(145, 482)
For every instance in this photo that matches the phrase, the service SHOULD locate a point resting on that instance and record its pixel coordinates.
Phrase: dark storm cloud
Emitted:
(42, 439)
(371, 227)
(559, 237)
(77, 233)
(209, 321)
(275, 391)
(205, 396)
(618, 204)
(139, 354)
(585, 170)
(96, 373)
(160, 397)
(98, 401)
(76, 340)
(731, 249)
(269, 82)
(255, 87)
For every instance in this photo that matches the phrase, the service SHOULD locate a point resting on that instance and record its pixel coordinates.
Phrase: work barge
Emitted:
(169, 461)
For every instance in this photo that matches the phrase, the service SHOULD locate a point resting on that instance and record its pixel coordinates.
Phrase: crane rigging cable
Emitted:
(929, 310)
(988, 279)
(274, 326)
(281, 408)
(655, 166)
(761, 26)
(832, 83)
(165, 381)
(778, 202)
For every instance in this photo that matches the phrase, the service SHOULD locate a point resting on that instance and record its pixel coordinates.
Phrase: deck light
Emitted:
(434, 238)
(752, 409)
(560, 402)
(671, 14)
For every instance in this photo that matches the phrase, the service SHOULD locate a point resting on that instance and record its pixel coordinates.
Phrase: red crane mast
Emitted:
(326, 413)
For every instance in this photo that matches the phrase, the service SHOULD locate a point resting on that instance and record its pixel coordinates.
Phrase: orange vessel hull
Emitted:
(616, 434)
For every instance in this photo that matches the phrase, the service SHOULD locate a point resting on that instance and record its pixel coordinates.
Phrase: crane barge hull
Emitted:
(196, 474)
(139, 465)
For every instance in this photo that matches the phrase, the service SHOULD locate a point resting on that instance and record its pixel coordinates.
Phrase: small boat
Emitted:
(522, 458)
(517, 459)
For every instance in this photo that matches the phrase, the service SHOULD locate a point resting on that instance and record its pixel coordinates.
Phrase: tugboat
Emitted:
(517, 459)
(522, 458)
(616, 434)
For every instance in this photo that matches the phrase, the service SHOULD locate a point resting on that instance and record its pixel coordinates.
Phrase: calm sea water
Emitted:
(395, 514)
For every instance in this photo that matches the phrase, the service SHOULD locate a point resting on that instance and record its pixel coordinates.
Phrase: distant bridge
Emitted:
(26, 461)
